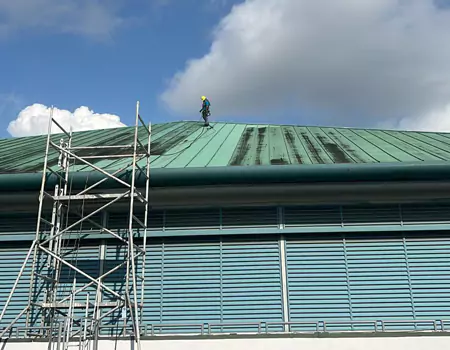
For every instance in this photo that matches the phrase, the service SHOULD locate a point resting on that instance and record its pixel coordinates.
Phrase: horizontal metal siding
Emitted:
(317, 282)
(429, 266)
(189, 286)
(251, 284)
(151, 313)
(378, 280)
(12, 257)
(392, 278)
(366, 215)
(254, 220)
(220, 283)
(115, 255)
(85, 258)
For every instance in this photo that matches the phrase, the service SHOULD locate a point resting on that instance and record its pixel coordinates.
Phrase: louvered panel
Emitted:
(12, 257)
(153, 287)
(17, 223)
(83, 226)
(317, 282)
(85, 258)
(192, 219)
(371, 215)
(249, 217)
(120, 221)
(251, 284)
(378, 277)
(26, 223)
(190, 285)
(429, 265)
(426, 213)
(115, 256)
(303, 216)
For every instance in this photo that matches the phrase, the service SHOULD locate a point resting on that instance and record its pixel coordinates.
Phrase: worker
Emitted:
(205, 110)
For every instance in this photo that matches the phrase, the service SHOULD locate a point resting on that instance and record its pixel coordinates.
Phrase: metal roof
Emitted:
(189, 144)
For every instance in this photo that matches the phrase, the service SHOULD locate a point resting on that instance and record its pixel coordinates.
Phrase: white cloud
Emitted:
(94, 18)
(361, 62)
(435, 120)
(33, 120)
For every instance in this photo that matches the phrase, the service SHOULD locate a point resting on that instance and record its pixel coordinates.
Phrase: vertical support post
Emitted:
(130, 232)
(284, 284)
(86, 315)
(146, 212)
(38, 223)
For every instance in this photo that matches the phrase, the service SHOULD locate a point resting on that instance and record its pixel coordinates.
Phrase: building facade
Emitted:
(261, 232)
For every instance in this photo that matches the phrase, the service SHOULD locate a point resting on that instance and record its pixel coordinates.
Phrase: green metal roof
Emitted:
(189, 144)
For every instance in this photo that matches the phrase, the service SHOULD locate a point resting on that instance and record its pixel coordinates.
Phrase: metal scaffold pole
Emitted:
(60, 281)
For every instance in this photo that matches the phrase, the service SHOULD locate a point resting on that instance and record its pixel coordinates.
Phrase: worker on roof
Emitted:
(205, 110)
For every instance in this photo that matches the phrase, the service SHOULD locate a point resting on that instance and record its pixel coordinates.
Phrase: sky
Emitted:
(352, 63)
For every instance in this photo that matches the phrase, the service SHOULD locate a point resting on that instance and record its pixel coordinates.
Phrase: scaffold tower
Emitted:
(68, 300)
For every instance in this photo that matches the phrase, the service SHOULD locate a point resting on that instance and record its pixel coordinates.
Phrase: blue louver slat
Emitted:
(429, 265)
(371, 214)
(391, 277)
(212, 282)
(378, 280)
(426, 213)
(12, 257)
(254, 220)
(193, 219)
(153, 290)
(249, 217)
(317, 282)
(304, 216)
(189, 286)
(367, 215)
(17, 223)
(85, 258)
(115, 255)
(251, 288)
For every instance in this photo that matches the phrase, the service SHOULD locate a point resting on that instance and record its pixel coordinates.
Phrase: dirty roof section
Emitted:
(189, 144)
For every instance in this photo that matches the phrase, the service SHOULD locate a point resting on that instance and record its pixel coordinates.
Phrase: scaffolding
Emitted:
(65, 311)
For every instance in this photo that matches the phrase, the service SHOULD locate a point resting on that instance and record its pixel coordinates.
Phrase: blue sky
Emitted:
(107, 74)
(374, 63)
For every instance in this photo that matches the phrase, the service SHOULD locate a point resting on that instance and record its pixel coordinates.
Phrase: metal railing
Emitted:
(257, 328)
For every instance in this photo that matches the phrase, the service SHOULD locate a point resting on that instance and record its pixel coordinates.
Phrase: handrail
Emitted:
(175, 325)
(235, 324)
(262, 327)
(316, 323)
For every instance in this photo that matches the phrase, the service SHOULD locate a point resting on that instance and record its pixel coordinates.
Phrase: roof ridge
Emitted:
(246, 124)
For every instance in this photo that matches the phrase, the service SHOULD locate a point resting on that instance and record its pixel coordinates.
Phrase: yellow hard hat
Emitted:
(203, 98)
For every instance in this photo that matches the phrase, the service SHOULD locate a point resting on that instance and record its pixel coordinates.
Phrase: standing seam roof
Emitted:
(189, 144)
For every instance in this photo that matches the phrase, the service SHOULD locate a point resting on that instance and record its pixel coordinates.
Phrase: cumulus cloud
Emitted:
(33, 120)
(351, 62)
(95, 18)
(435, 120)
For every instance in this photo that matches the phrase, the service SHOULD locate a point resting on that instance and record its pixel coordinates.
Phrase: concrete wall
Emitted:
(357, 343)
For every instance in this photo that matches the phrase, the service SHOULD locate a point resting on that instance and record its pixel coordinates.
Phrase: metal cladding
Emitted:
(190, 145)
(186, 177)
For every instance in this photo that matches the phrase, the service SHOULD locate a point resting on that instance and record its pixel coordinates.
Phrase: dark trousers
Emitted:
(205, 114)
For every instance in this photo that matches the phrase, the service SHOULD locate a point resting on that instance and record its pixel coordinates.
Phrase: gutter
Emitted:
(244, 175)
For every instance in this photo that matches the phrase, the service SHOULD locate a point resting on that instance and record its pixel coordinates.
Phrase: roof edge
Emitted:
(242, 175)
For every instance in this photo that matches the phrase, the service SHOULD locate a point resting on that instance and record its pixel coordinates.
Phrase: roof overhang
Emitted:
(243, 175)
(259, 185)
